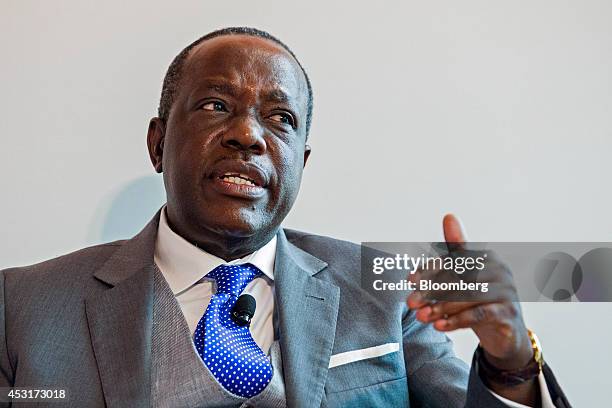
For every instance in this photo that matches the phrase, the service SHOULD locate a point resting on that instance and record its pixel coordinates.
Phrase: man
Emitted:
(148, 321)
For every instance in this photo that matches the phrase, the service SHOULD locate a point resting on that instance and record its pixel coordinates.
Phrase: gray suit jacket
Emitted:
(82, 322)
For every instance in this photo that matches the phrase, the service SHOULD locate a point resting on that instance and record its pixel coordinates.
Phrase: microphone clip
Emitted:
(244, 310)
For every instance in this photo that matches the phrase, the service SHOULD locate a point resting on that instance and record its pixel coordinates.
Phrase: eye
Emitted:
(216, 106)
(283, 117)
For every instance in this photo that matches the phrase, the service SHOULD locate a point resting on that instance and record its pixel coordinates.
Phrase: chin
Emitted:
(236, 224)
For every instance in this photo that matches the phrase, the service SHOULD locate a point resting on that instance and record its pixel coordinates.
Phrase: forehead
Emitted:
(246, 62)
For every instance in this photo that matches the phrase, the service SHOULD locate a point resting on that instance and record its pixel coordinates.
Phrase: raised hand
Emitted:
(497, 322)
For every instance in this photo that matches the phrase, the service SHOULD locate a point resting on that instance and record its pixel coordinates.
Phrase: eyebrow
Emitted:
(277, 95)
(222, 87)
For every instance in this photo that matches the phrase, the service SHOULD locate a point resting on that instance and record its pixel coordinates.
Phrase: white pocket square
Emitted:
(362, 354)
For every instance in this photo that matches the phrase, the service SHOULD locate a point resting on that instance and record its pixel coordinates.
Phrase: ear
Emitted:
(155, 142)
(307, 150)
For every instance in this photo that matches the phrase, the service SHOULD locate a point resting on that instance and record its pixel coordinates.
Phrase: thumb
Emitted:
(453, 230)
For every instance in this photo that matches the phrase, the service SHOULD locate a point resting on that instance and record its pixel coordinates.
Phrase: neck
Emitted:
(231, 248)
(224, 244)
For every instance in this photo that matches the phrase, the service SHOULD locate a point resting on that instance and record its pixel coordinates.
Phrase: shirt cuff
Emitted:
(544, 395)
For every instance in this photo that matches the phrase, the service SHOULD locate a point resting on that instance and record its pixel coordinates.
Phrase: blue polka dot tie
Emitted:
(228, 350)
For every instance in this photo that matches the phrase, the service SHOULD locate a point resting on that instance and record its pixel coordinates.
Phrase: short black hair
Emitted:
(174, 73)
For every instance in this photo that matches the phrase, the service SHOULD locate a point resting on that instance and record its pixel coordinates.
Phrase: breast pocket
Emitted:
(362, 354)
(365, 367)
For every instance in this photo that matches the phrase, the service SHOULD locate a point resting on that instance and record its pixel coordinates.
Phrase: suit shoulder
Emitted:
(322, 245)
(80, 262)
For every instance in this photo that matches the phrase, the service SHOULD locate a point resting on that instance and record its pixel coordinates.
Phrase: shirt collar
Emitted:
(184, 264)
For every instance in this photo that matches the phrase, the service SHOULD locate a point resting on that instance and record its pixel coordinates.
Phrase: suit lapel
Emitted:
(307, 313)
(120, 321)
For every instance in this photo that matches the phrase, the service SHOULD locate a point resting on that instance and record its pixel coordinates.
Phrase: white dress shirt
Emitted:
(184, 267)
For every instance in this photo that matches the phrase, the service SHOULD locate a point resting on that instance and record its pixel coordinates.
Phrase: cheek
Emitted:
(186, 149)
(182, 172)
(290, 174)
(183, 161)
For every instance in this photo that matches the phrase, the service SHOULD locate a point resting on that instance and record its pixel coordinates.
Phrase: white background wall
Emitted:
(498, 111)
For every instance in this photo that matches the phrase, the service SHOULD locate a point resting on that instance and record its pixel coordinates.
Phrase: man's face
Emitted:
(234, 143)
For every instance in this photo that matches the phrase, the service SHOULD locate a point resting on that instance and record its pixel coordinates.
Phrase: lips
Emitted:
(238, 179)
(240, 172)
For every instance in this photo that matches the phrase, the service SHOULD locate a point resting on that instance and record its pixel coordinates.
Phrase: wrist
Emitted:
(511, 372)
(514, 362)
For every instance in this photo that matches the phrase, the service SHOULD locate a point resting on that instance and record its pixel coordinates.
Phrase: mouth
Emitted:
(239, 179)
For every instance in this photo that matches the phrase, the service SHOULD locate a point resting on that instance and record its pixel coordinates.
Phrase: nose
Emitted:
(246, 135)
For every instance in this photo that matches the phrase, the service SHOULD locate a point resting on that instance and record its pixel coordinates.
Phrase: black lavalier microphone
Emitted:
(244, 310)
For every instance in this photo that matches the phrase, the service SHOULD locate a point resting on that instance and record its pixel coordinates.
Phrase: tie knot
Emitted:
(232, 279)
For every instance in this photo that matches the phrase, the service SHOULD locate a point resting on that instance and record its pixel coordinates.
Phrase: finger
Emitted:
(416, 300)
(424, 278)
(453, 230)
(443, 310)
(419, 298)
(486, 312)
